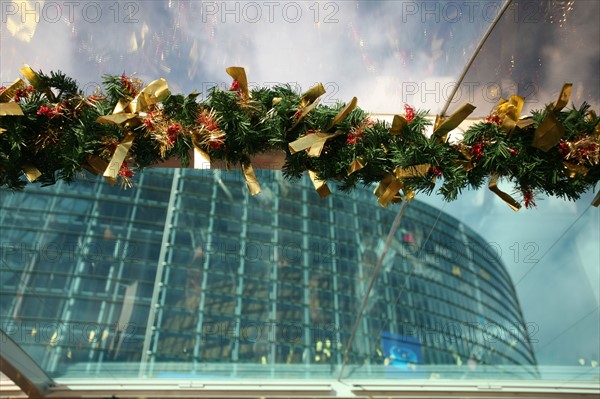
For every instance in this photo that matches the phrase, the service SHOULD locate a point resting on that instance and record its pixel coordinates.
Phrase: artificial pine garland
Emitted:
(50, 131)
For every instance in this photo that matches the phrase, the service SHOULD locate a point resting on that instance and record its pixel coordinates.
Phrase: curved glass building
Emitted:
(187, 274)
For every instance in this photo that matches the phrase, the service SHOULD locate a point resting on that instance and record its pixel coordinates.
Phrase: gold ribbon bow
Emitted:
(127, 114)
(443, 126)
(315, 142)
(509, 112)
(388, 189)
(550, 131)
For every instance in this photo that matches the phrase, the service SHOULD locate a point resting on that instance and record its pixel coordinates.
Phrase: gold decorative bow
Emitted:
(127, 114)
(509, 112)
(388, 189)
(316, 141)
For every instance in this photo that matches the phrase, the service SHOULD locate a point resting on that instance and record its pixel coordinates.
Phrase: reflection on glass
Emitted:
(176, 282)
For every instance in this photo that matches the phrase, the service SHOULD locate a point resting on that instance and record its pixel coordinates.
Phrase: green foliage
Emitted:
(59, 145)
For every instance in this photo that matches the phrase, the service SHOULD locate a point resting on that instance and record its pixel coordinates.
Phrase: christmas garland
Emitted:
(50, 131)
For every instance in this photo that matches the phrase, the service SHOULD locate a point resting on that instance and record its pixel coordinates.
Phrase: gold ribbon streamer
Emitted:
(466, 163)
(596, 200)
(563, 98)
(510, 201)
(250, 177)
(31, 172)
(312, 94)
(320, 185)
(387, 190)
(239, 74)
(309, 101)
(114, 166)
(356, 165)
(398, 124)
(36, 82)
(10, 109)
(550, 131)
(316, 141)
(95, 165)
(443, 126)
(509, 112)
(412, 171)
(525, 122)
(343, 113)
(201, 159)
(8, 93)
(127, 119)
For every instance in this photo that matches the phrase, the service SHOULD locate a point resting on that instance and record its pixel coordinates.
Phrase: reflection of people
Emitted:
(180, 321)
(319, 283)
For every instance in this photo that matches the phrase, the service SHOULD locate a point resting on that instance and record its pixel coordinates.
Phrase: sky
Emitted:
(386, 53)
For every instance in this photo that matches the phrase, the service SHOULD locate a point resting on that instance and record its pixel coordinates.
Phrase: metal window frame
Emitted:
(22, 369)
(329, 388)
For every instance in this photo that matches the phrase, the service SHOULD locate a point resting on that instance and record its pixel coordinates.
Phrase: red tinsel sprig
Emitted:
(477, 151)
(528, 198)
(409, 113)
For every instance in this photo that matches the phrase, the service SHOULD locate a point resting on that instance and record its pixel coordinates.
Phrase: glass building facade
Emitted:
(188, 274)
